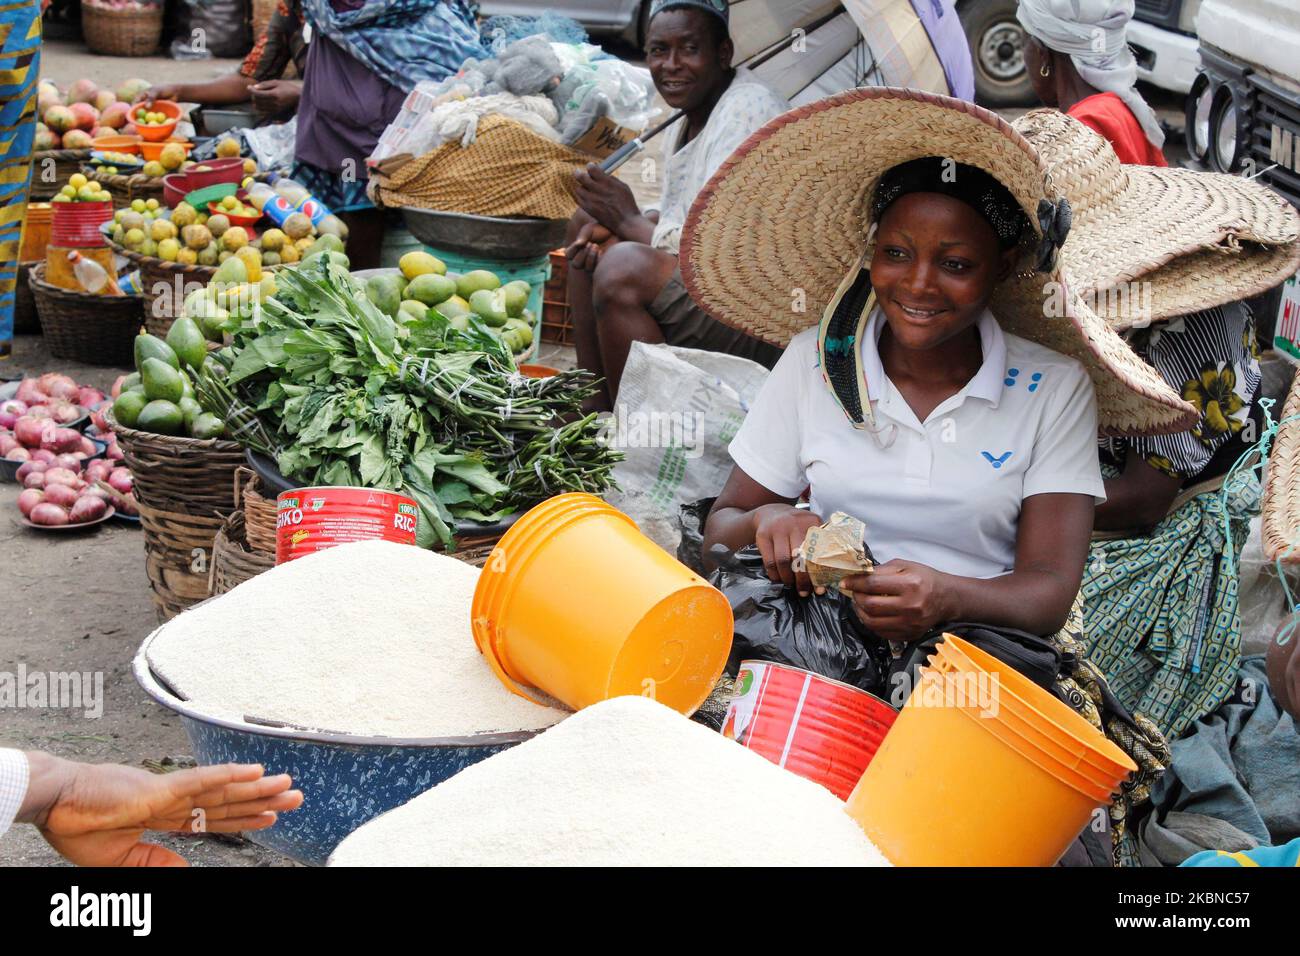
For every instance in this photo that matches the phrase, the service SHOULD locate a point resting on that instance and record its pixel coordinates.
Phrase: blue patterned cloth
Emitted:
(402, 41)
(20, 65)
(1287, 855)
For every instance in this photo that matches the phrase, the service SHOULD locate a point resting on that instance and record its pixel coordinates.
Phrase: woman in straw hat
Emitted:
(964, 437)
(1077, 57)
(1165, 256)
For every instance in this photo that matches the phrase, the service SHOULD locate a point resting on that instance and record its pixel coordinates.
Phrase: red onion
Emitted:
(86, 397)
(70, 462)
(87, 508)
(117, 386)
(114, 453)
(126, 505)
(11, 411)
(61, 476)
(48, 514)
(30, 467)
(47, 382)
(30, 392)
(98, 419)
(8, 443)
(67, 391)
(97, 470)
(120, 480)
(59, 494)
(29, 499)
(42, 454)
(28, 431)
(39, 411)
(97, 492)
(18, 454)
(88, 447)
(62, 441)
(35, 480)
(65, 412)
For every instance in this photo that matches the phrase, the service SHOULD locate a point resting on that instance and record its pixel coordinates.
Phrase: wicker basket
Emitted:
(189, 476)
(82, 327)
(233, 561)
(26, 319)
(165, 285)
(177, 556)
(1280, 528)
(122, 32)
(259, 512)
(123, 189)
(51, 169)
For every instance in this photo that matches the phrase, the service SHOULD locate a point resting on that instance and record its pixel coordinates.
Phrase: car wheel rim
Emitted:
(1002, 53)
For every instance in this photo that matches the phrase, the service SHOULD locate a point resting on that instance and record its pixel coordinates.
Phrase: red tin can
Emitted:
(76, 224)
(821, 729)
(311, 519)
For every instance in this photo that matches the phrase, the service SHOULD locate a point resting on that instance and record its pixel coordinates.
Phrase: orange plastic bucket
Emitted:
(575, 601)
(984, 768)
(821, 729)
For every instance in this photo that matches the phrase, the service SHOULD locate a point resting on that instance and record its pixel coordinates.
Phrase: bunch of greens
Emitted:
(350, 396)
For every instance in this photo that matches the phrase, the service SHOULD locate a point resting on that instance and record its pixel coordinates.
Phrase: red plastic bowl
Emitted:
(214, 209)
(176, 186)
(156, 134)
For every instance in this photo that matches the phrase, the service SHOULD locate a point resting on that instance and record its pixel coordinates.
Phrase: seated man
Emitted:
(260, 77)
(624, 284)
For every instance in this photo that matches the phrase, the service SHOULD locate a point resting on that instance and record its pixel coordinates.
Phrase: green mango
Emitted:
(232, 272)
(190, 410)
(161, 417)
(460, 321)
(150, 346)
(517, 293)
(476, 280)
(415, 309)
(207, 425)
(452, 307)
(490, 306)
(161, 381)
(186, 339)
(127, 408)
(326, 242)
(131, 381)
(383, 292)
(214, 324)
(431, 288)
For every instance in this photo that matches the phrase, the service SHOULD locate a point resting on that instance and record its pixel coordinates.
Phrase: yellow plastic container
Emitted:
(1006, 776)
(575, 601)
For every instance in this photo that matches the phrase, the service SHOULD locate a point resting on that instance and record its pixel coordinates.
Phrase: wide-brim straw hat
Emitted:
(771, 237)
(1150, 243)
(1280, 522)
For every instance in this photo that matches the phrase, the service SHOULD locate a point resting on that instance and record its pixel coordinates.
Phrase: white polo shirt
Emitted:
(945, 492)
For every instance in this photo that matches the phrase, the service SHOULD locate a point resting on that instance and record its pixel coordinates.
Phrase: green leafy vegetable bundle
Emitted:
(351, 396)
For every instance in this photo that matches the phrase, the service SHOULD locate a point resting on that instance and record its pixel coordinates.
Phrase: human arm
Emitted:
(902, 600)
(223, 91)
(1138, 498)
(276, 97)
(610, 202)
(747, 513)
(96, 814)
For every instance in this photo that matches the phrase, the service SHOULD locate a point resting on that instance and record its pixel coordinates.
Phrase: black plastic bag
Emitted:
(690, 548)
(207, 28)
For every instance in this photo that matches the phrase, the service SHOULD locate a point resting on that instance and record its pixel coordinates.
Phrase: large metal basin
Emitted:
(485, 236)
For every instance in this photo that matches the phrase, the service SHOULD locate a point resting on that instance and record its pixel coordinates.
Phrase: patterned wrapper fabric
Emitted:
(20, 60)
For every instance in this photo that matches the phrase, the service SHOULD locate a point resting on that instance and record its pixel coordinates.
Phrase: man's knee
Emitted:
(631, 273)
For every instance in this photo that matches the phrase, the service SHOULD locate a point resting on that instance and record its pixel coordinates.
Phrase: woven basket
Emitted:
(259, 512)
(189, 476)
(26, 319)
(123, 189)
(51, 169)
(165, 285)
(177, 556)
(121, 32)
(233, 561)
(87, 328)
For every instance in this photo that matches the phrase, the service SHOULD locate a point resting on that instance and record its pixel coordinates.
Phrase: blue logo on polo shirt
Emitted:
(996, 462)
(1014, 373)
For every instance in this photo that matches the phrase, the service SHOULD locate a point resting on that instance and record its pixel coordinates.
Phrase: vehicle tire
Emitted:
(996, 44)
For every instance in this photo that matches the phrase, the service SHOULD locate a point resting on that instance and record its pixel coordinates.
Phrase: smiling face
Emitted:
(688, 55)
(934, 269)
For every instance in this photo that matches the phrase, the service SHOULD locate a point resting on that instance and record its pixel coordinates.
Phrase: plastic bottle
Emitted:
(90, 274)
(301, 200)
(270, 203)
(131, 284)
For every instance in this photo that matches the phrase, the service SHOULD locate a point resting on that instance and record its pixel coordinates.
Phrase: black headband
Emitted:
(969, 184)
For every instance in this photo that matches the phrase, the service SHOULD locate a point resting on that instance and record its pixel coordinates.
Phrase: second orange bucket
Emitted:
(575, 601)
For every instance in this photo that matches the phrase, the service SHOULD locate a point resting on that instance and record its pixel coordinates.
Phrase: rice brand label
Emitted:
(749, 687)
(405, 518)
(310, 520)
(287, 503)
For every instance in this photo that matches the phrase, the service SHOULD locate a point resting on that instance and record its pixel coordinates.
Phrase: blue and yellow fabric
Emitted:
(20, 57)
(1287, 855)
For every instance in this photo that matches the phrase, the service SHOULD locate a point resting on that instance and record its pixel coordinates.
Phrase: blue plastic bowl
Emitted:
(345, 780)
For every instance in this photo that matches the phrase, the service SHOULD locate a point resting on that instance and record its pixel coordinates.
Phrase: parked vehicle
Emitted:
(1243, 113)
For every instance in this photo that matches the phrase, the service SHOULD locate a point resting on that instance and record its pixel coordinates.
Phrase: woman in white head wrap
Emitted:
(1078, 57)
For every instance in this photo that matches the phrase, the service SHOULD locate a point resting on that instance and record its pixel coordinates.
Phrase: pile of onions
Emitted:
(35, 420)
(58, 493)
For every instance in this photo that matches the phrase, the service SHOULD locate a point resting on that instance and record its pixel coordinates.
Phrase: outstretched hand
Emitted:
(100, 812)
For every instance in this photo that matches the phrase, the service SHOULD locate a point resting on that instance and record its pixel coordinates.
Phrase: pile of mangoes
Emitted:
(159, 396)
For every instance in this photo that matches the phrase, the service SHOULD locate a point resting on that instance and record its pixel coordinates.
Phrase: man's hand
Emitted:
(273, 97)
(591, 241)
(900, 600)
(607, 199)
(99, 812)
(779, 531)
